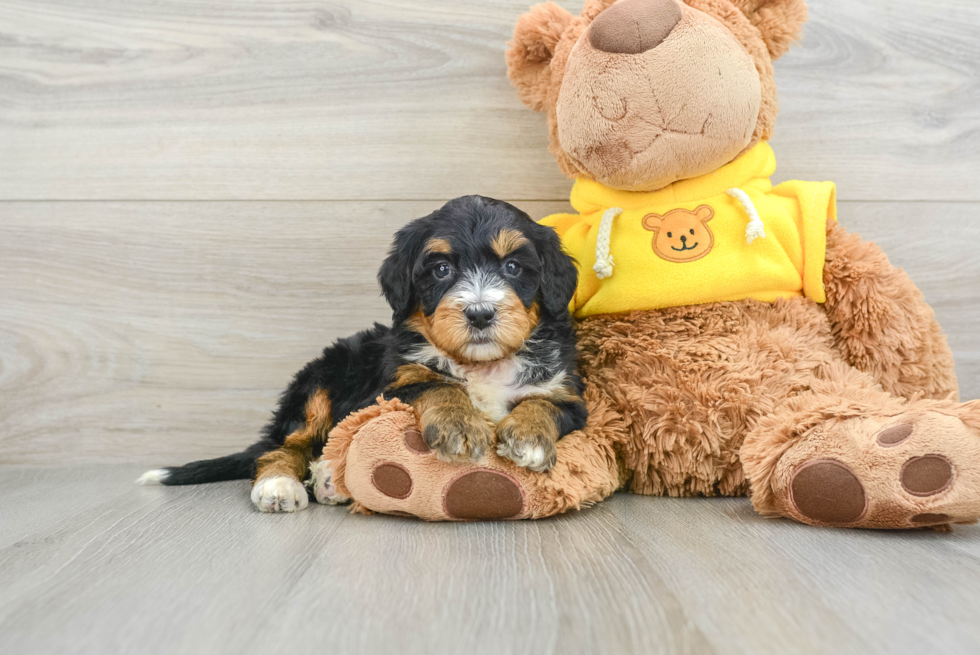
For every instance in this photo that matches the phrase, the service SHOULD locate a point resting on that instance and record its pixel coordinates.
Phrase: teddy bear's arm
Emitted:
(880, 321)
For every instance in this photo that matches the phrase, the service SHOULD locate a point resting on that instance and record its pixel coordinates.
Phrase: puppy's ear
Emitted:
(559, 277)
(396, 273)
(529, 54)
(779, 21)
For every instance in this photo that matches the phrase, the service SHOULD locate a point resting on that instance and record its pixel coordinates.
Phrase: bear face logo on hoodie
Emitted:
(681, 235)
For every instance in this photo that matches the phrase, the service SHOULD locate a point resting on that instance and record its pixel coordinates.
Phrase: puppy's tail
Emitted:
(230, 467)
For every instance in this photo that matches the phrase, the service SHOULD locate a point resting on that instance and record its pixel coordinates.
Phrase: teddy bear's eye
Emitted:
(692, 231)
(669, 235)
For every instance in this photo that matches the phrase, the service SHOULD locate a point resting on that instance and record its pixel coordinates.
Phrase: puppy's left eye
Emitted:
(512, 268)
(442, 270)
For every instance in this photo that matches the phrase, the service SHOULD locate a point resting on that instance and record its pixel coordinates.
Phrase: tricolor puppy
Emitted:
(481, 338)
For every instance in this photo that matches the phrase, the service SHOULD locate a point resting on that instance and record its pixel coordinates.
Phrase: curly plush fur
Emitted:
(842, 413)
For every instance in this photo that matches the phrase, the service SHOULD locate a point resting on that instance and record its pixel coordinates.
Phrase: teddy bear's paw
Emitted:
(393, 470)
(321, 482)
(920, 469)
(279, 494)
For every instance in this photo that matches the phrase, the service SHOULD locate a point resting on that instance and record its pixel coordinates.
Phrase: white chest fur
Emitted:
(495, 386)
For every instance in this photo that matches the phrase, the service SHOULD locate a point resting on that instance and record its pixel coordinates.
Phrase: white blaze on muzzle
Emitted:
(479, 290)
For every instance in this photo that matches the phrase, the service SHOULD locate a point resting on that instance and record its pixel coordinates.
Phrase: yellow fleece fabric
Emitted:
(713, 263)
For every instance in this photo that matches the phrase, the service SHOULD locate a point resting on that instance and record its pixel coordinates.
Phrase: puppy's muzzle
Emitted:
(480, 317)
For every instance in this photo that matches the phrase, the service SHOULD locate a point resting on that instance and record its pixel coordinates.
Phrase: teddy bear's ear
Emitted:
(780, 21)
(704, 213)
(653, 222)
(536, 36)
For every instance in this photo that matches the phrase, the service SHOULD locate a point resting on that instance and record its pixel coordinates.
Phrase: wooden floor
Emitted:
(88, 564)
(194, 198)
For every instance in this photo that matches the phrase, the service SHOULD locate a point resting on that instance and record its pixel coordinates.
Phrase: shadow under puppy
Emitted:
(480, 336)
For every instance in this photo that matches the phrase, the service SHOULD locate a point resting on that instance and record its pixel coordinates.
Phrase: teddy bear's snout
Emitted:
(634, 26)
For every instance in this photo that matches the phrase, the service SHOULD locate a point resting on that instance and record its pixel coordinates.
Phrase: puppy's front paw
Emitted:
(531, 445)
(321, 482)
(279, 494)
(456, 433)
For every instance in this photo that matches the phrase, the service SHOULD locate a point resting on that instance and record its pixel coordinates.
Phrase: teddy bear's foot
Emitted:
(389, 468)
(917, 469)
(379, 458)
(403, 476)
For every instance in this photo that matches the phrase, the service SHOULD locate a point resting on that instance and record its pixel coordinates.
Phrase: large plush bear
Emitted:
(733, 337)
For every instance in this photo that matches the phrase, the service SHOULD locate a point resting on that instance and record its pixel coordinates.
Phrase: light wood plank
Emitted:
(235, 580)
(197, 569)
(776, 586)
(163, 332)
(296, 99)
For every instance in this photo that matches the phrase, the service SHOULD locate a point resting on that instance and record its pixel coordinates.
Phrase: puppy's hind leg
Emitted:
(278, 481)
(278, 486)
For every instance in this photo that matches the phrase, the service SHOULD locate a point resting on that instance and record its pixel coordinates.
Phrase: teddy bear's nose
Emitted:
(634, 26)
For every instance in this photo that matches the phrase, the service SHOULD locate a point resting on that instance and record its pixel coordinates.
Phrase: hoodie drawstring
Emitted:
(603, 260)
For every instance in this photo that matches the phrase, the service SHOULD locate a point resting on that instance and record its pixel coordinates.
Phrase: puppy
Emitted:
(480, 337)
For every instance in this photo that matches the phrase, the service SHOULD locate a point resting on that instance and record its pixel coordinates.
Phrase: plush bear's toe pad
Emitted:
(826, 491)
(393, 480)
(927, 475)
(931, 519)
(483, 495)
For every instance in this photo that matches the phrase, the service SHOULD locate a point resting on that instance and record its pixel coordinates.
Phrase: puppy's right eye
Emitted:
(442, 270)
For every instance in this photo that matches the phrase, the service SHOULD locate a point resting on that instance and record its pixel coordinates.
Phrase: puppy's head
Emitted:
(476, 277)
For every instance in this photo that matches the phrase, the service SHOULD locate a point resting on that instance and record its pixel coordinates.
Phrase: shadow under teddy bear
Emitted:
(789, 360)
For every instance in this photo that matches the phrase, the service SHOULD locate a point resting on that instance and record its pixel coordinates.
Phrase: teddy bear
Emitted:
(733, 337)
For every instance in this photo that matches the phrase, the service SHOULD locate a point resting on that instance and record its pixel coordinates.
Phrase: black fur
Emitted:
(356, 370)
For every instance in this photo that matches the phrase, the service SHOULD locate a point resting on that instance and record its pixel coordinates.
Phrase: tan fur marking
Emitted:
(537, 416)
(563, 395)
(318, 417)
(284, 462)
(438, 245)
(529, 434)
(506, 242)
(293, 458)
(410, 374)
(451, 425)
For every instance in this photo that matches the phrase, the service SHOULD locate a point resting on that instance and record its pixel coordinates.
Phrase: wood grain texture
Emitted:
(303, 99)
(163, 332)
(197, 569)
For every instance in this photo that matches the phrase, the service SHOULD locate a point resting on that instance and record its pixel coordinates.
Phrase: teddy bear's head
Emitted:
(642, 93)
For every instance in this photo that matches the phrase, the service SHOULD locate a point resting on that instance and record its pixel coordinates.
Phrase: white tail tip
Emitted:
(156, 476)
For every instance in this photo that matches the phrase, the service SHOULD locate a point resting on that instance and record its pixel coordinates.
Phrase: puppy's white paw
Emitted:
(279, 494)
(532, 457)
(321, 481)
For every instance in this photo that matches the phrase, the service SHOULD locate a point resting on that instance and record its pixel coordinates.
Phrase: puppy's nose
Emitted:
(479, 317)
(683, 238)
(630, 27)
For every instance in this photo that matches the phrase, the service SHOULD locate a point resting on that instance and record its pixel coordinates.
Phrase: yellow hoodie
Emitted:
(728, 235)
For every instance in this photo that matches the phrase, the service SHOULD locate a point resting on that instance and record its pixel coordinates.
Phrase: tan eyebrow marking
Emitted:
(507, 241)
(438, 245)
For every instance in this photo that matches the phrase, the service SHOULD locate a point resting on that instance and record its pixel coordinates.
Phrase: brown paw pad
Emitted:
(415, 442)
(483, 495)
(392, 480)
(895, 435)
(930, 519)
(927, 475)
(826, 491)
